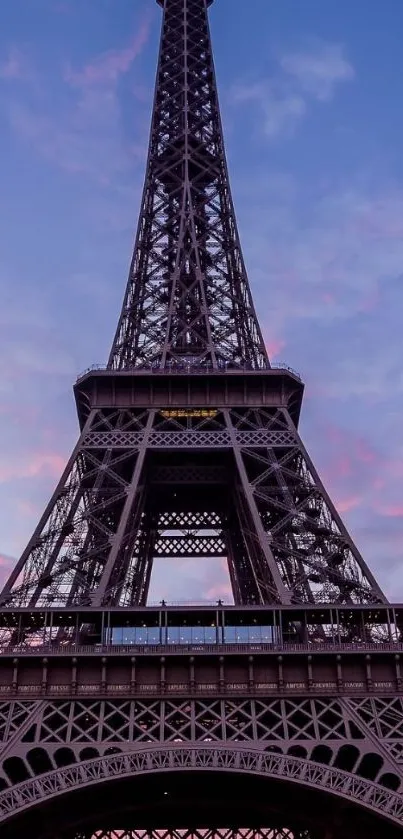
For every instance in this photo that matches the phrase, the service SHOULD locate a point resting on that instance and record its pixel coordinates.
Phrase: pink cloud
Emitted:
(221, 591)
(29, 509)
(14, 67)
(360, 477)
(6, 564)
(85, 135)
(41, 463)
(107, 68)
(344, 505)
(363, 451)
(370, 302)
(274, 347)
(356, 445)
(350, 468)
(394, 510)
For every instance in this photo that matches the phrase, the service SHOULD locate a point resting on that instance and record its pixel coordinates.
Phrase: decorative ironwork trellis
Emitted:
(189, 447)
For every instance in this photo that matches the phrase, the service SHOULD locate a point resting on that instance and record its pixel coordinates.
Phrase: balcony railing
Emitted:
(186, 367)
(67, 649)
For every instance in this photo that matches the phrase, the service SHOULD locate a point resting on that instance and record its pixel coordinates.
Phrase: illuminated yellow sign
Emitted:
(178, 413)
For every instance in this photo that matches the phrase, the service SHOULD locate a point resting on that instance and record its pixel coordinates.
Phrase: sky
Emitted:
(311, 100)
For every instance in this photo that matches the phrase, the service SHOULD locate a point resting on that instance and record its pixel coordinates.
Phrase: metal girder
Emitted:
(188, 296)
(249, 485)
(192, 546)
(199, 833)
(156, 473)
(343, 747)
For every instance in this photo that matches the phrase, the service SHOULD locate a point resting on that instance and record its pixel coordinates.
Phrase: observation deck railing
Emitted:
(184, 367)
(61, 649)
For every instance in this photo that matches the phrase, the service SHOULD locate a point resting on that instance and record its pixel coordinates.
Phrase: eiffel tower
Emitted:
(278, 717)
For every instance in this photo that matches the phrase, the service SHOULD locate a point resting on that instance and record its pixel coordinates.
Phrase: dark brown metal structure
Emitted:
(283, 711)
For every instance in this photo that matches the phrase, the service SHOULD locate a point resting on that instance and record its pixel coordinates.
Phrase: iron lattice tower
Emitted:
(189, 447)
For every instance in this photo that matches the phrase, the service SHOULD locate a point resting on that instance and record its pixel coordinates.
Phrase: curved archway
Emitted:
(385, 803)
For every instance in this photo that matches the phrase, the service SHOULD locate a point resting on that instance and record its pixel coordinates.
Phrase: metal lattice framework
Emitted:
(295, 770)
(246, 485)
(188, 295)
(210, 833)
(189, 447)
(264, 508)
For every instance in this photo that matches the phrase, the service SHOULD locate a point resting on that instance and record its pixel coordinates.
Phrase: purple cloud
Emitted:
(106, 69)
(15, 67)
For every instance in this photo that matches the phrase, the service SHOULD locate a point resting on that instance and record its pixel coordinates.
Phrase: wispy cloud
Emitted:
(106, 69)
(6, 564)
(84, 138)
(281, 109)
(48, 464)
(299, 79)
(323, 258)
(364, 482)
(275, 347)
(82, 132)
(325, 262)
(184, 580)
(319, 69)
(15, 66)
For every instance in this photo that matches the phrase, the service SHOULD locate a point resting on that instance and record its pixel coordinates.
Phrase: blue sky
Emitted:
(311, 101)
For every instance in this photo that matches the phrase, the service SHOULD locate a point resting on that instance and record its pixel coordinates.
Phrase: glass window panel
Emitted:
(153, 635)
(185, 635)
(173, 635)
(210, 634)
(140, 635)
(129, 635)
(117, 635)
(242, 634)
(198, 634)
(255, 634)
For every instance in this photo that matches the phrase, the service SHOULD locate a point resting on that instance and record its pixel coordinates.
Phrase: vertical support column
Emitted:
(221, 679)
(162, 674)
(133, 674)
(15, 675)
(44, 683)
(99, 594)
(74, 675)
(192, 683)
(280, 676)
(103, 674)
(398, 672)
(279, 591)
(339, 673)
(251, 673)
(310, 672)
(368, 672)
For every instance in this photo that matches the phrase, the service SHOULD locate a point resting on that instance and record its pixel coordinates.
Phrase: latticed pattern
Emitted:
(187, 296)
(201, 833)
(13, 715)
(384, 718)
(343, 734)
(237, 484)
(215, 481)
(241, 477)
(340, 746)
(315, 555)
(153, 721)
(292, 769)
